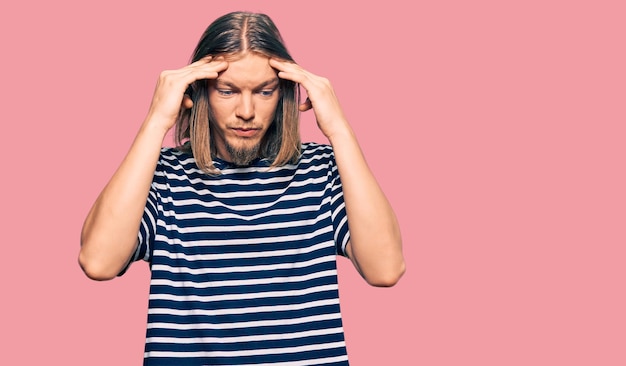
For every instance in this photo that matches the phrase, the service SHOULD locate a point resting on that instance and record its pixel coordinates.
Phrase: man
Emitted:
(241, 222)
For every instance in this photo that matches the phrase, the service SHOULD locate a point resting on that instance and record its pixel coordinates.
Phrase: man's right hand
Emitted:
(169, 95)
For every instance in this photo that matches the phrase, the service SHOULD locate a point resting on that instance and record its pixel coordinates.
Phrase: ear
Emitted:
(187, 102)
(306, 105)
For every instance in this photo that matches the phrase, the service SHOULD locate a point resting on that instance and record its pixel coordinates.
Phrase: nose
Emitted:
(245, 108)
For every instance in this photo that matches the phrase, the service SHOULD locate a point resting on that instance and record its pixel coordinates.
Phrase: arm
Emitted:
(109, 234)
(375, 246)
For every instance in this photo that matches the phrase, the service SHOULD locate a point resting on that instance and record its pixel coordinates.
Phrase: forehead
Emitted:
(250, 70)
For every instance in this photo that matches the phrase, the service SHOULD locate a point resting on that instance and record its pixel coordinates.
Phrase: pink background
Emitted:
(495, 127)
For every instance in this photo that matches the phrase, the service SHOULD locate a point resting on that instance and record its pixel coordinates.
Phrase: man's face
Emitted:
(243, 102)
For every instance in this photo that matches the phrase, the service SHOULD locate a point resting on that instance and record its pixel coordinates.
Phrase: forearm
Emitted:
(109, 234)
(375, 240)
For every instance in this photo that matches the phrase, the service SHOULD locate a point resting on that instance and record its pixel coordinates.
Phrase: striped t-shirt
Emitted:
(244, 263)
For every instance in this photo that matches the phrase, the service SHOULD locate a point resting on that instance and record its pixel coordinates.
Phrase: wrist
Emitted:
(341, 135)
(156, 126)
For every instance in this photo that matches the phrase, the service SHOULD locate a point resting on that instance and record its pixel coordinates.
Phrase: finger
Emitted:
(202, 72)
(203, 60)
(278, 63)
(296, 77)
(289, 70)
(218, 65)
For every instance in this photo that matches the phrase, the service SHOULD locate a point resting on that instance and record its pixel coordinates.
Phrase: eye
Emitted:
(225, 92)
(267, 92)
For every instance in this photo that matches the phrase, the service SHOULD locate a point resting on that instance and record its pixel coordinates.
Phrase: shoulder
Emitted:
(172, 159)
(317, 156)
(314, 149)
(173, 153)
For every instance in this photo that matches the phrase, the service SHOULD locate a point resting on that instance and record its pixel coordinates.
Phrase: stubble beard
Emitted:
(243, 156)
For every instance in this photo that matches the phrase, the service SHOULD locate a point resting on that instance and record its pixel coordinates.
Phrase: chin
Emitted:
(243, 153)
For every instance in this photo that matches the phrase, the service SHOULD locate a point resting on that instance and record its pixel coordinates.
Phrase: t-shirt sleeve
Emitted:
(147, 229)
(338, 214)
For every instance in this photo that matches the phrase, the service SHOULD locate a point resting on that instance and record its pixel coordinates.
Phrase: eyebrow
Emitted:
(264, 84)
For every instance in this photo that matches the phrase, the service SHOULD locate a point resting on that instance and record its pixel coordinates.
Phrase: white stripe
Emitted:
(264, 337)
(223, 242)
(247, 310)
(239, 325)
(346, 240)
(336, 194)
(316, 362)
(260, 281)
(340, 226)
(256, 352)
(262, 254)
(245, 296)
(274, 225)
(267, 267)
(238, 194)
(209, 214)
(284, 198)
(339, 208)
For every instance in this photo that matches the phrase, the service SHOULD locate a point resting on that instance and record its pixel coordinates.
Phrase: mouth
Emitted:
(246, 132)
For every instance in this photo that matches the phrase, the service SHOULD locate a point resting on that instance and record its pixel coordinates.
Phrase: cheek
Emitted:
(267, 109)
(218, 110)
